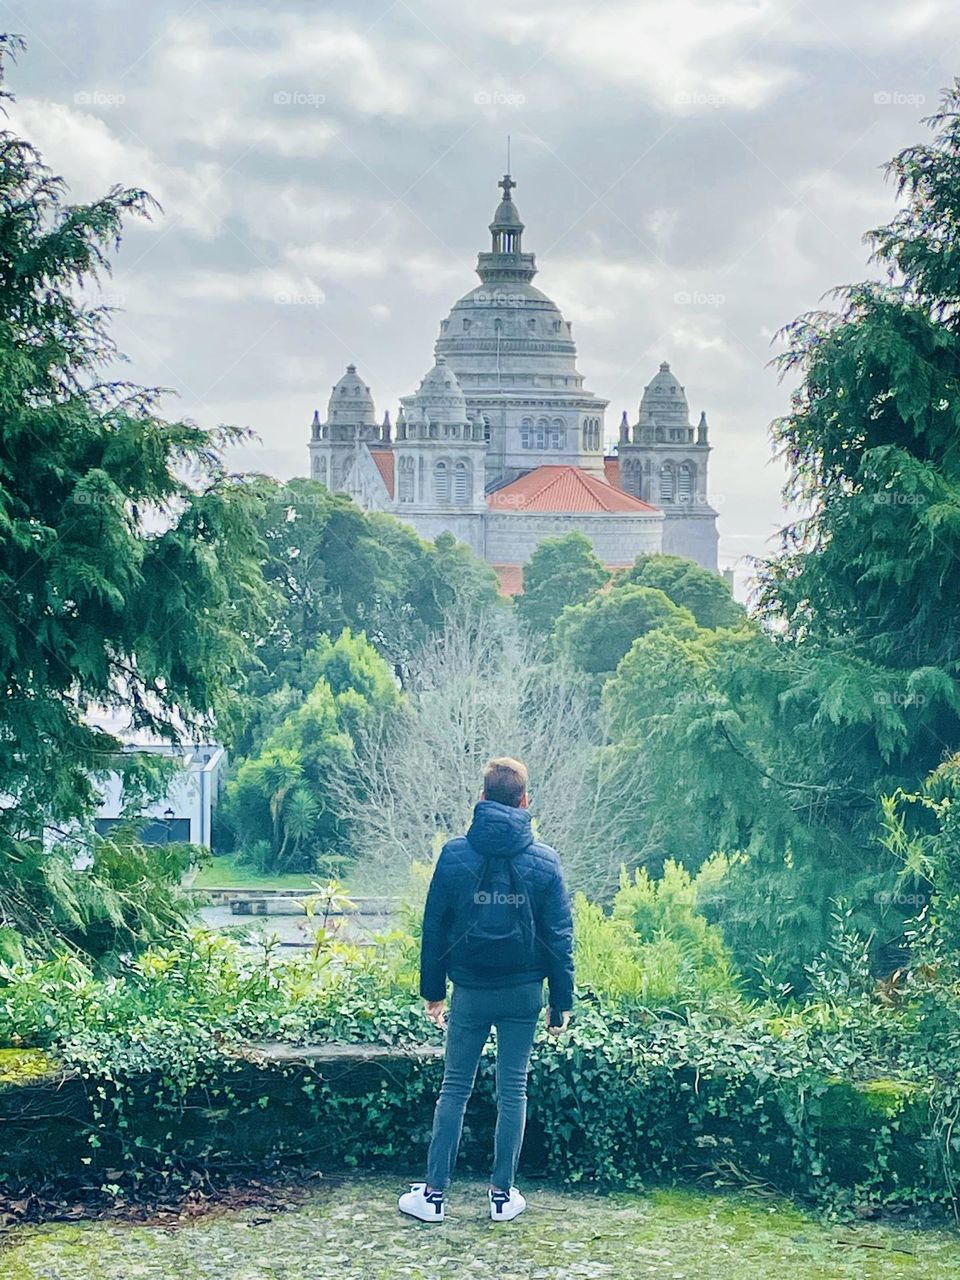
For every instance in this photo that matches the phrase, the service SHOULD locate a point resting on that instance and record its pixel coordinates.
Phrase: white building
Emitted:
(185, 812)
(502, 445)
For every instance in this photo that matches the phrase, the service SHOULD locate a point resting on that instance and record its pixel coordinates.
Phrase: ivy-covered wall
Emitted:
(598, 1113)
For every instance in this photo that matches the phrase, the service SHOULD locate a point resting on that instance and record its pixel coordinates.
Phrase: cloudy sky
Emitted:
(692, 175)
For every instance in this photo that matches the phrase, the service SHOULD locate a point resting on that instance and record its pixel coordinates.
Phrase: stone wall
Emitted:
(512, 537)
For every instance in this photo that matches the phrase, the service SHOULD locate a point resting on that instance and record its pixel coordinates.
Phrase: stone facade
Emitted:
(503, 399)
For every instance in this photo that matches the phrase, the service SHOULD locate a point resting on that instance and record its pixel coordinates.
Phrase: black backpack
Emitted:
(500, 936)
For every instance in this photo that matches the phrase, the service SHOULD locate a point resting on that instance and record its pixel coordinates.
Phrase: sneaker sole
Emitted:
(427, 1222)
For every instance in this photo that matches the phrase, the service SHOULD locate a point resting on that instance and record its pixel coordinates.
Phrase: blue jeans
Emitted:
(514, 1012)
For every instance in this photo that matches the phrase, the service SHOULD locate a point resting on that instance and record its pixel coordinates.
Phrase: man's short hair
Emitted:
(505, 780)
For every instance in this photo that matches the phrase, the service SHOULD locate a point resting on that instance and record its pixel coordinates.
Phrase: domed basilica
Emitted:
(503, 446)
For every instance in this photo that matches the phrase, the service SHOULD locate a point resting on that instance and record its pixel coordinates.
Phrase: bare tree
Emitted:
(481, 690)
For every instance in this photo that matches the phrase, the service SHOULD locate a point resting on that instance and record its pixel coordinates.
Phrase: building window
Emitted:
(685, 483)
(591, 434)
(486, 428)
(667, 487)
(461, 483)
(405, 483)
(441, 483)
(466, 326)
(557, 434)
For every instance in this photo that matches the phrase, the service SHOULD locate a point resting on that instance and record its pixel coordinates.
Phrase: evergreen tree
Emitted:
(687, 583)
(593, 637)
(129, 562)
(561, 571)
(788, 742)
(279, 809)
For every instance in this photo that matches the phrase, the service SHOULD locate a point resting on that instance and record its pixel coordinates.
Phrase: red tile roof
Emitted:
(384, 459)
(511, 578)
(564, 489)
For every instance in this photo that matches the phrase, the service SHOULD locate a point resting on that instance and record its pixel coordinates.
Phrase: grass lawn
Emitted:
(350, 1229)
(223, 873)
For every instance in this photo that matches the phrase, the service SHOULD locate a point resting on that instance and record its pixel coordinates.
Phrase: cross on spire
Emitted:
(507, 183)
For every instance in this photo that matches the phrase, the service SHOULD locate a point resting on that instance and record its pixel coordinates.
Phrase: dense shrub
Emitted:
(842, 1101)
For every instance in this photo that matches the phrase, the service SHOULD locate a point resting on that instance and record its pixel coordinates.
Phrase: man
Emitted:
(496, 923)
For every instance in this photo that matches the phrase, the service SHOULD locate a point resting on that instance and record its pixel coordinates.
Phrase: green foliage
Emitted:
(688, 584)
(666, 909)
(785, 756)
(129, 571)
(334, 567)
(654, 948)
(922, 831)
(789, 746)
(593, 637)
(124, 583)
(871, 438)
(128, 896)
(279, 806)
(662, 969)
(562, 571)
(849, 1103)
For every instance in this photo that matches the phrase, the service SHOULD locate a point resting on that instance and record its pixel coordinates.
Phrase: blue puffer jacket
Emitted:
(503, 833)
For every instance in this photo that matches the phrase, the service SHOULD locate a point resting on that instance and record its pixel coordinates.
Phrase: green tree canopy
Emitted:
(561, 571)
(129, 559)
(279, 807)
(687, 583)
(788, 742)
(593, 637)
(871, 439)
(129, 571)
(333, 566)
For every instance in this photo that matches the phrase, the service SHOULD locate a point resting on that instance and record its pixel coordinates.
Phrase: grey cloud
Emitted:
(724, 152)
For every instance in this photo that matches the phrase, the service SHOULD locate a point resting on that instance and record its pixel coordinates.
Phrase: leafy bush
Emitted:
(654, 949)
(854, 1113)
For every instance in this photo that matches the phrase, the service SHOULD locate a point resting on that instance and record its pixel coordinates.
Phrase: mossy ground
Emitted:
(352, 1230)
(24, 1066)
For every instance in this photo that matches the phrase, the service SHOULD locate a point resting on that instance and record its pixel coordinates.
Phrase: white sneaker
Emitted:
(415, 1202)
(506, 1205)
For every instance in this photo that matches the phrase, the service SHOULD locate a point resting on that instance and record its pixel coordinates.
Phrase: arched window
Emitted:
(543, 427)
(667, 486)
(461, 483)
(405, 483)
(526, 433)
(441, 482)
(557, 434)
(685, 483)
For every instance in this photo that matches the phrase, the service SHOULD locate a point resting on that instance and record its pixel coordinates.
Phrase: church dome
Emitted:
(351, 401)
(664, 401)
(507, 215)
(439, 397)
(506, 332)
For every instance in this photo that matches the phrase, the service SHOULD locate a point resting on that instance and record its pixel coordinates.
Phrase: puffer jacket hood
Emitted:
(500, 830)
